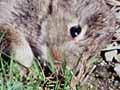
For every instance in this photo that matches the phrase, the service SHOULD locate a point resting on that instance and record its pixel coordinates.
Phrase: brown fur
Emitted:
(98, 25)
(46, 23)
(22, 20)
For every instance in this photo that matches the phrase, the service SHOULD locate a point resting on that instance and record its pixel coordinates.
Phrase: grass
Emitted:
(39, 78)
(10, 78)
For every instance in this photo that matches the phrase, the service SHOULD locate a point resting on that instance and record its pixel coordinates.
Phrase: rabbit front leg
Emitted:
(15, 42)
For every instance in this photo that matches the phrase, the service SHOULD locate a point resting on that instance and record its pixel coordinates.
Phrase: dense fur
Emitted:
(23, 22)
(98, 26)
(96, 20)
(35, 26)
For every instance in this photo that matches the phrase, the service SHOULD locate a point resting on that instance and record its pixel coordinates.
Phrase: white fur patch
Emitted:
(22, 52)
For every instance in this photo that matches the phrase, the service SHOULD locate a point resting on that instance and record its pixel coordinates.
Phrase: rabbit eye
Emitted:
(75, 31)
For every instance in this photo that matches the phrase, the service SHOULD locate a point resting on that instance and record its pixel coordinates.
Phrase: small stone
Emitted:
(117, 69)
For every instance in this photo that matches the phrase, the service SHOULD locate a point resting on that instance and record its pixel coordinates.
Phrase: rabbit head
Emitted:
(79, 28)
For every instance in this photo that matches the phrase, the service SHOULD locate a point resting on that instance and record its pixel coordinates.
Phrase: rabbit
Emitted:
(22, 27)
(74, 29)
(77, 31)
(21, 21)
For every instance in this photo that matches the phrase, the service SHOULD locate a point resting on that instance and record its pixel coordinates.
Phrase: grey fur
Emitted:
(46, 23)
